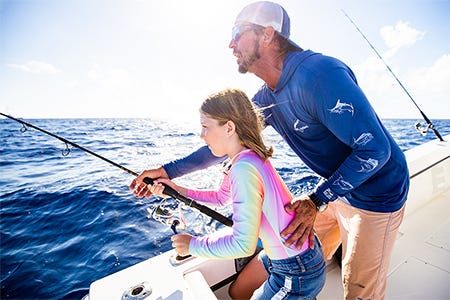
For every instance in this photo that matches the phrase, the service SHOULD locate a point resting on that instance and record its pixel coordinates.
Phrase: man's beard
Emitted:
(246, 63)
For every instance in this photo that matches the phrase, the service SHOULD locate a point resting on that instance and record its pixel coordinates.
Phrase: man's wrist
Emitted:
(320, 205)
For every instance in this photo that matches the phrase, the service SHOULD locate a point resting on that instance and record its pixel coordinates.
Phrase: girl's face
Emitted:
(214, 135)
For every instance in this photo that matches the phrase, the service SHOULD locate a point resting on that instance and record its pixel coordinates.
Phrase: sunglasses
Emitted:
(238, 30)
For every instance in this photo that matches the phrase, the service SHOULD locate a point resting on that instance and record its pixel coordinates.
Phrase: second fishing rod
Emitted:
(419, 127)
(167, 189)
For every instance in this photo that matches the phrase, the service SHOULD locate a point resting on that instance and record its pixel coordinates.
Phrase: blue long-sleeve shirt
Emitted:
(320, 111)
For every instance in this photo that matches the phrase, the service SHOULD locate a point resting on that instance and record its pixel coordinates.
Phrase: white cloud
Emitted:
(38, 67)
(431, 87)
(435, 78)
(428, 86)
(399, 36)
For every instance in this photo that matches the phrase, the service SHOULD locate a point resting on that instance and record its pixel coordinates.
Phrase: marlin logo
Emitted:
(368, 165)
(344, 185)
(363, 139)
(342, 107)
(298, 127)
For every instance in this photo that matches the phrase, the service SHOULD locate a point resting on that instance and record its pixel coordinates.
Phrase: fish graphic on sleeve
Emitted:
(342, 107)
(342, 184)
(363, 139)
(367, 165)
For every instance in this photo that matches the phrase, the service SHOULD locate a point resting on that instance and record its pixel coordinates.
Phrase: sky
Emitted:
(161, 58)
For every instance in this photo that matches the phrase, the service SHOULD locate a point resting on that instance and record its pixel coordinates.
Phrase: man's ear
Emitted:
(268, 34)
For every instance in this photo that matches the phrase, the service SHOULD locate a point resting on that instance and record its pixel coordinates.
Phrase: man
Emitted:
(315, 103)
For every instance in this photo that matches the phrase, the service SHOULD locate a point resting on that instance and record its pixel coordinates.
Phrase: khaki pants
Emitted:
(367, 240)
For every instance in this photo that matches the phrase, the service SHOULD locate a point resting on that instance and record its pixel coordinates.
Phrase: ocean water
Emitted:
(67, 221)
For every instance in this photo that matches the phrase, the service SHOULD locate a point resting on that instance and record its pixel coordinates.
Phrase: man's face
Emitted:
(245, 45)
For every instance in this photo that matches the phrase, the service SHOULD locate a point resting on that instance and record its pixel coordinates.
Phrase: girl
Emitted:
(232, 126)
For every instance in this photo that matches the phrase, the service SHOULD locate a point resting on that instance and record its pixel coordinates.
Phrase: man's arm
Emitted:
(200, 159)
(343, 108)
(347, 113)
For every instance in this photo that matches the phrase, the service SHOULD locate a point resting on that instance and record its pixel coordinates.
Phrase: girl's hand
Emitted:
(157, 187)
(181, 243)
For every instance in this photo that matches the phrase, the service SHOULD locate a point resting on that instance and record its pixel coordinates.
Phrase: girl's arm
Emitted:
(240, 240)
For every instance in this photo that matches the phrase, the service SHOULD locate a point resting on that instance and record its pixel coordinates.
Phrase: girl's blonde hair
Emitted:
(234, 105)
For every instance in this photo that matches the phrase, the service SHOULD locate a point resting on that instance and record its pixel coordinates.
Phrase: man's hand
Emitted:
(138, 186)
(302, 225)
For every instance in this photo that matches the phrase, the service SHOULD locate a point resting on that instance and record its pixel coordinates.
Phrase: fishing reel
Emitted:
(168, 216)
(423, 129)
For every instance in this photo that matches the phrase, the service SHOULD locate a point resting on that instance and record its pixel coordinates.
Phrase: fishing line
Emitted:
(167, 189)
(418, 125)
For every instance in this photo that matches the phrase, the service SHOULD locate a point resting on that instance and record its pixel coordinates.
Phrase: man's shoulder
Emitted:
(315, 60)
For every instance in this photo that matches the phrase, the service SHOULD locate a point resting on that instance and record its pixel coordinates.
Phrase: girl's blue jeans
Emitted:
(298, 277)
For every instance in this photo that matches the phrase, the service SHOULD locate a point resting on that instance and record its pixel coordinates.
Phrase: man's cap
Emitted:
(266, 13)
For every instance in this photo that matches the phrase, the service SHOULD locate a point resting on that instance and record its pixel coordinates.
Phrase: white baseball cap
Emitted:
(266, 13)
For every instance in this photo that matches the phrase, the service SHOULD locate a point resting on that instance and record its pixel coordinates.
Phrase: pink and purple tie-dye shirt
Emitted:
(258, 195)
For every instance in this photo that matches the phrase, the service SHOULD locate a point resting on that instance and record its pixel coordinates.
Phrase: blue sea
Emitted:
(67, 221)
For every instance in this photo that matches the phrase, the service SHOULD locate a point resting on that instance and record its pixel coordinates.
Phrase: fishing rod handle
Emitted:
(169, 191)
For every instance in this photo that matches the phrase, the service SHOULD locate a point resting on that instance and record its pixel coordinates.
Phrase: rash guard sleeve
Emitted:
(220, 197)
(343, 108)
(242, 239)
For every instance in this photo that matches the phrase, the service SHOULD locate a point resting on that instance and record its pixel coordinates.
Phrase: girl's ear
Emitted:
(231, 127)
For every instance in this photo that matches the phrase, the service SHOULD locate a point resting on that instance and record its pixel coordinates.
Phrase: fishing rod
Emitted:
(167, 189)
(419, 126)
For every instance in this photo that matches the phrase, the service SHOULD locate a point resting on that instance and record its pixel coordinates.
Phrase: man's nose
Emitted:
(232, 44)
